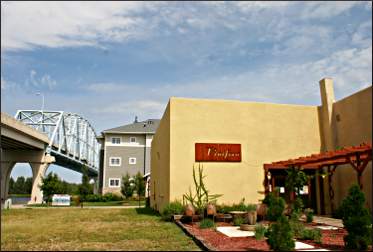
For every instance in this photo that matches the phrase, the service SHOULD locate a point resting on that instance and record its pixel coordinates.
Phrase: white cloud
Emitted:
(26, 25)
(45, 81)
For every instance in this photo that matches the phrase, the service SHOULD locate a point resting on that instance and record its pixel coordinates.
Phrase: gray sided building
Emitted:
(125, 149)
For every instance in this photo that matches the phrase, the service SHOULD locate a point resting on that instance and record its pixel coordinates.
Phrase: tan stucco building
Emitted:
(267, 132)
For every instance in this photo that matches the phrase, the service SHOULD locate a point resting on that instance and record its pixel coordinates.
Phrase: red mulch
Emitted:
(331, 239)
(222, 242)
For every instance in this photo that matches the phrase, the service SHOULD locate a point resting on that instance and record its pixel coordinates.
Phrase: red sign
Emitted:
(212, 152)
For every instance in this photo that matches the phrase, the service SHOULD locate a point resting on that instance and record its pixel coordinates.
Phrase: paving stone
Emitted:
(326, 227)
(301, 245)
(234, 232)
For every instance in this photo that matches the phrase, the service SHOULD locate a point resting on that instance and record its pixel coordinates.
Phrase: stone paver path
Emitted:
(328, 221)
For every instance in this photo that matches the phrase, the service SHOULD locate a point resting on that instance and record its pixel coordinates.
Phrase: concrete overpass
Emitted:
(69, 145)
(20, 143)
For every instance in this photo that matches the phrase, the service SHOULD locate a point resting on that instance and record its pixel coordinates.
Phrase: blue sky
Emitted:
(111, 61)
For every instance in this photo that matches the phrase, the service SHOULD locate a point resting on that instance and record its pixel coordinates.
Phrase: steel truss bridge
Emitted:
(72, 139)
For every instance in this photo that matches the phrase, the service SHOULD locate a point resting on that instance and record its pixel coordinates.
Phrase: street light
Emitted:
(42, 108)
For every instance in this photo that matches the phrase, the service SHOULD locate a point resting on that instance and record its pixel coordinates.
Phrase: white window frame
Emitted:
(132, 163)
(120, 140)
(111, 164)
(133, 141)
(114, 186)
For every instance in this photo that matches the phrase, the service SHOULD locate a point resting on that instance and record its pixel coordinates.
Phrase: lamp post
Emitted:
(42, 108)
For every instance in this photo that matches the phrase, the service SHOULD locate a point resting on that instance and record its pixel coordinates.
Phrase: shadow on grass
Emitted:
(147, 211)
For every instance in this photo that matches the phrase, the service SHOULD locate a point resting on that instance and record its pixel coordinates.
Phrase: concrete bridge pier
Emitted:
(39, 162)
(6, 169)
(38, 172)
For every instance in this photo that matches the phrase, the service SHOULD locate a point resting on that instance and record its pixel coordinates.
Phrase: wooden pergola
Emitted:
(357, 156)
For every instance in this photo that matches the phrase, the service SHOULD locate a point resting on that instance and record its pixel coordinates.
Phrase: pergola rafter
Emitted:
(357, 156)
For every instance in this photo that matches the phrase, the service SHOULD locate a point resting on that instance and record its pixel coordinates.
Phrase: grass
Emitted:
(115, 203)
(90, 229)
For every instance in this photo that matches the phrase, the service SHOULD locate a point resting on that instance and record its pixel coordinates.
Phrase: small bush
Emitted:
(172, 208)
(112, 197)
(280, 235)
(206, 223)
(309, 215)
(237, 221)
(276, 206)
(296, 225)
(356, 219)
(260, 232)
(311, 234)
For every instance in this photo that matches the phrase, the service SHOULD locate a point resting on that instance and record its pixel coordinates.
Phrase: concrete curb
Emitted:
(198, 240)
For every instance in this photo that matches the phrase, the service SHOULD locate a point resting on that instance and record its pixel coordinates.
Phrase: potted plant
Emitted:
(210, 209)
(251, 214)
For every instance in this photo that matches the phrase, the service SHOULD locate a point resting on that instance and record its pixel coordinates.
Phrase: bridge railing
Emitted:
(70, 134)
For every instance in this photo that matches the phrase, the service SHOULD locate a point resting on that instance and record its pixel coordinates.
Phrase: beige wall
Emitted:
(160, 163)
(353, 128)
(266, 132)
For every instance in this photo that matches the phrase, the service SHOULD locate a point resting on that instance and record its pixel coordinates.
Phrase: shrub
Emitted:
(237, 221)
(127, 187)
(296, 226)
(280, 235)
(202, 197)
(311, 234)
(260, 232)
(356, 220)
(206, 223)
(171, 209)
(112, 197)
(309, 215)
(276, 206)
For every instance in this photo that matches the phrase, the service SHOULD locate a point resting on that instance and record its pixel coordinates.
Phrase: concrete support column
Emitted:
(95, 185)
(328, 131)
(38, 172)
(6, 169)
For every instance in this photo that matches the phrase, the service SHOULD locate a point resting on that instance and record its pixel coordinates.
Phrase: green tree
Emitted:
(85, 188)
(28, 185)
(50, 185)
(19, 185)
(139, 184)
(356, 219)
(127, 188)
(295, 179)
(11, 185)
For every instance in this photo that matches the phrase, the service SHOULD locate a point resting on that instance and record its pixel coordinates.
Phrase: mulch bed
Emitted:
(331, 239)
(221, 242)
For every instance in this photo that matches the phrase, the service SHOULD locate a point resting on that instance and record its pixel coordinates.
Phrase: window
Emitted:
(115, 140)
(132, 139)
(114, 182)
(115, 161)
(132, 160)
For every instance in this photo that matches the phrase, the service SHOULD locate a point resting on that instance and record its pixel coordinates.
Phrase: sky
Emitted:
(112, 61)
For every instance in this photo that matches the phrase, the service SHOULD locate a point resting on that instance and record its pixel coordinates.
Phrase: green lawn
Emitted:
(89, 229)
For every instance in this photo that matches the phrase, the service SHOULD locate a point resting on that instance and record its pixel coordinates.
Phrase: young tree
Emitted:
(51, 184)
(127, 188)
(356, 219)
(139, 184)
(85, 188)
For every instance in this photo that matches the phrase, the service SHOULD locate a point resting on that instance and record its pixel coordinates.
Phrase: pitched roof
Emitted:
(148, 126)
